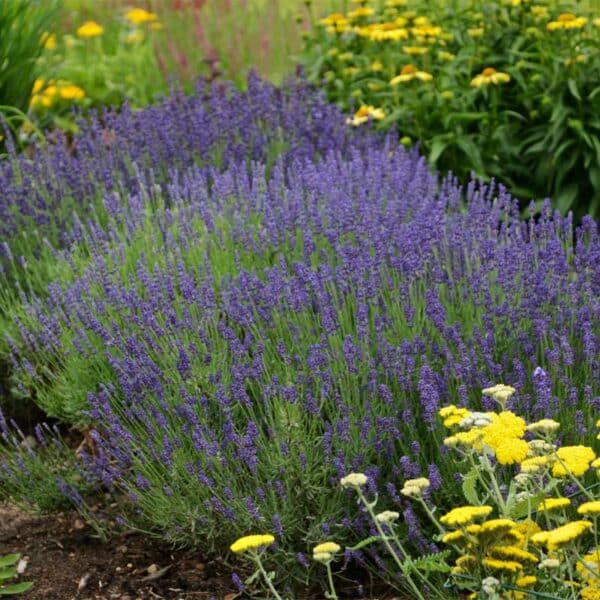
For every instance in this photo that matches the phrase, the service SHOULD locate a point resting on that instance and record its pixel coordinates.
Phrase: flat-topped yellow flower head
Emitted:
(251, 542)
(90, 29)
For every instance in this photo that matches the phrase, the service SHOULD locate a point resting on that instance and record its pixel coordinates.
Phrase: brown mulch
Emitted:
(66, 562)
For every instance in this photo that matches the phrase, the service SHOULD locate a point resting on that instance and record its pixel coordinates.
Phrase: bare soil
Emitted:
(65, 561)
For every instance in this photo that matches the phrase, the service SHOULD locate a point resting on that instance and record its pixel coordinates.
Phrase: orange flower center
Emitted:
(408, 69)
(488, 71)
(567, 17)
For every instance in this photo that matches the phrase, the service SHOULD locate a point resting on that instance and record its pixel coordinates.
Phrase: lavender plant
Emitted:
(239, 351)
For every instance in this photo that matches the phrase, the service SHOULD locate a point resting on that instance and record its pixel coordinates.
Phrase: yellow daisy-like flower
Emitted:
(553, 504)
(251, 542)
(71, 92)
(463, 515)
(445, 56)
(328, 547)
(364, 113)
(137, 16)
(90, 29)
(409, 73)
(511, 566)
(333, 19)
(572, 459)
(589, 508)
(490, 75)
(567, 21)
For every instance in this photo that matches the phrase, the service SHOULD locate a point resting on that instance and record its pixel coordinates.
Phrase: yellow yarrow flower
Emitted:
(544, 426)
(535, 463)
(137, 16)
(555, 538)
(513, 553)
(251, 542)
(590, 593)
(511, 566)
(499, 392)
(572, 459)
(463, 515)
(409, 73)
(589, 508)
(526, 581)
(553, 504)
(487, 76)
(90, 29)
(510, 451)
(496, 526)
(326, 547)
(453, 537)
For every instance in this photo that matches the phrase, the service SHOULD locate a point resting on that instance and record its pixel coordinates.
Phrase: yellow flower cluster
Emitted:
(90, 29)
(490, 76)
(567, 21)
(138, 16)
(561, 536)
(46, 94)
(364, 113)
(251, 542)
(410, 73)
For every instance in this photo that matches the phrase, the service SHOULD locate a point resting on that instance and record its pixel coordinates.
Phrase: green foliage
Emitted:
(8, 571)
(537, 130)
(23, 24)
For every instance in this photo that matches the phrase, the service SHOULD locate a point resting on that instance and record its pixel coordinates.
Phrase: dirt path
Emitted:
(66, 562)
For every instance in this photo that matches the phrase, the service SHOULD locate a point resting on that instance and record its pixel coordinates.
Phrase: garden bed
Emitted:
(64, 560)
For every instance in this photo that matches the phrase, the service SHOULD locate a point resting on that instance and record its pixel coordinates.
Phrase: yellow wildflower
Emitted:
(333, 19)
(361, 12)
(137, 16)
(135, 37)
(497, 527)
(38, 84)
(453, 537)
(563, 535)
(511, 566)
(71, 92)
(590, 593)
(572, 459)
(596, 23)
(410, 72)
(553, 504)
(364, 113)
(490, 75)
(513, 553)
(536, 463)
(49, 41)
(510, 451)
(567, 21)
(251, 542)
(376, 66)
(589, 508)
(90, 29)
(500, 392)
(463, 515)
(354, 480)
(329, 547)
(526, 581)
(544, 426)
(470, 439)
(539, 11)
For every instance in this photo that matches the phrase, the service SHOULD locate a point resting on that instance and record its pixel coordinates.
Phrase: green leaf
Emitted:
(463, 117)
(573, 88)
(9, 560)
(7, 573)
(438, 146)
(469, 487)
(369, 540)
(17, 588)
(432, 563)
(521, 509)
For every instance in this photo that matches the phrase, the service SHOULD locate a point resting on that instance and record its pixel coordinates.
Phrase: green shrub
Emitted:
(509, 90)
